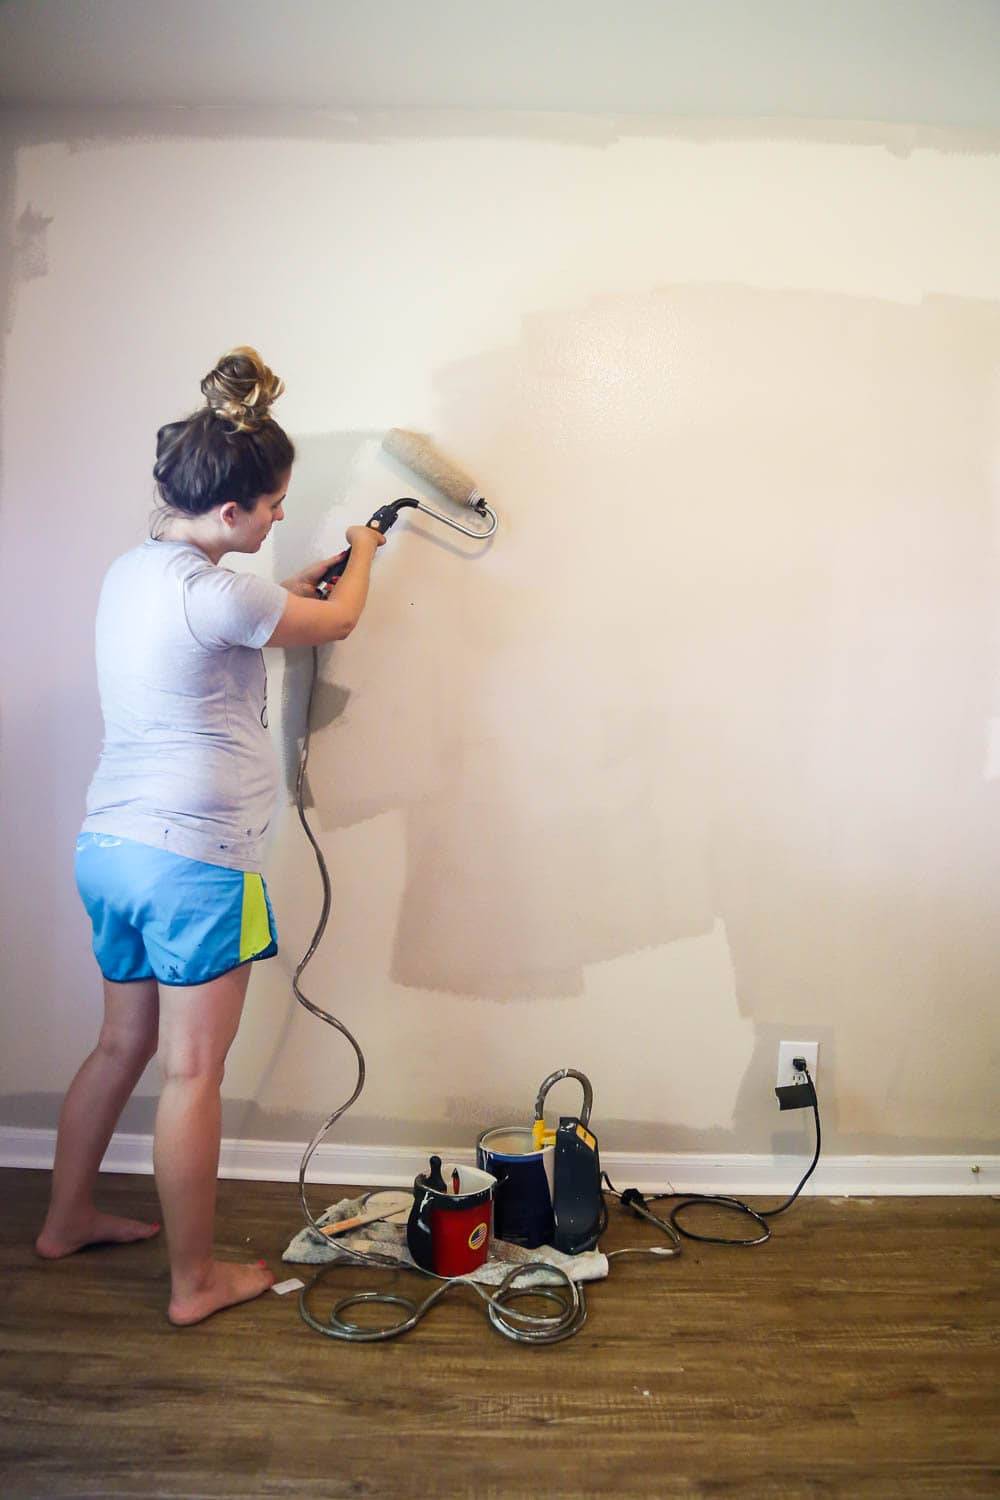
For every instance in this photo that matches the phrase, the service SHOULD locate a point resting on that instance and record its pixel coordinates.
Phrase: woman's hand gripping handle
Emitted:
(381, 522)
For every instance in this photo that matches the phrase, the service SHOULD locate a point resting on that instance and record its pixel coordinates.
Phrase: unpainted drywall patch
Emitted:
(31, 258)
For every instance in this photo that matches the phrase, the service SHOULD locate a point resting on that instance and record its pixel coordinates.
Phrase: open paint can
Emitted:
(449, 1232)
(525, 1175)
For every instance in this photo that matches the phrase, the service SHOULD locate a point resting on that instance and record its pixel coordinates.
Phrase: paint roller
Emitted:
(418, 454)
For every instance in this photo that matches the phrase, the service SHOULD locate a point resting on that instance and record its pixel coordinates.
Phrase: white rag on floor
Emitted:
(390, 1239)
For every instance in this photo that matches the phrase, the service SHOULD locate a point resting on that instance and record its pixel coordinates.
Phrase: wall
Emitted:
(701, 753)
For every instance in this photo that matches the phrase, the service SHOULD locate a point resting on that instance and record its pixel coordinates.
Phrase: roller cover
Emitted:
(419, 454)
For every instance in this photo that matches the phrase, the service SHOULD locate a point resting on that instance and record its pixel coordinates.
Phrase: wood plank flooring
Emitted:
(855, 1354)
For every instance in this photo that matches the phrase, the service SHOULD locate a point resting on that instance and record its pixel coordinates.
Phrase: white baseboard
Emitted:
(685, 1172)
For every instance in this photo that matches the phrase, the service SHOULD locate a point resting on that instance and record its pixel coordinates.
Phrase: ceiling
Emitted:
(904, 61)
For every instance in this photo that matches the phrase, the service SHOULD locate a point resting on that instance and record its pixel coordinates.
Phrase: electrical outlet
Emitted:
(787, 1071)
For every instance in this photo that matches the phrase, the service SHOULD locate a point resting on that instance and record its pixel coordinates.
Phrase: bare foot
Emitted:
(94, 1229)
(225, 1286)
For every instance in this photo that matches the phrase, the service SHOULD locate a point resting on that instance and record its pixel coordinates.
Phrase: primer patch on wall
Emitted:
(731, 655)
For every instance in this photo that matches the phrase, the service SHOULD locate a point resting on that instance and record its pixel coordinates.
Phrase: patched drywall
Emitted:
(696, 752)
(30, 255)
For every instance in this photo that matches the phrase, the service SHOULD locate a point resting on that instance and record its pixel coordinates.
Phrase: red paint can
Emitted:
(449, 1233)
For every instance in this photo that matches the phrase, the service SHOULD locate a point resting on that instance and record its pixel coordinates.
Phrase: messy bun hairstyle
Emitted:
(231, 448)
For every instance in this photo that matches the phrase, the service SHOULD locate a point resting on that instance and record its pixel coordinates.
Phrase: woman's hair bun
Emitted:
(241, 388)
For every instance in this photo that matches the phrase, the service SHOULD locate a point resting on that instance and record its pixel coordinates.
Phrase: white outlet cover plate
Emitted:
(787, 1072)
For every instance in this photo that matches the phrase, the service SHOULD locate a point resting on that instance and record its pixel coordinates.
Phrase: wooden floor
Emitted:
(855, 1354)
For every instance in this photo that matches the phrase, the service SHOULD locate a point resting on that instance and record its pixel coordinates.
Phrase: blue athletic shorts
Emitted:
(157, 915)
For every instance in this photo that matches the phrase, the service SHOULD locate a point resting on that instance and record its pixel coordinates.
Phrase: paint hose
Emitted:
(427, 462)
(419, 454)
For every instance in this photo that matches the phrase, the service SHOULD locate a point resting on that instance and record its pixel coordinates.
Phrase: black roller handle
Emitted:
(383, 520)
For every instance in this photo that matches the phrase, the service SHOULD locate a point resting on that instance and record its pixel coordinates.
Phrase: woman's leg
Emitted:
(197, 1027)
(90, 1112)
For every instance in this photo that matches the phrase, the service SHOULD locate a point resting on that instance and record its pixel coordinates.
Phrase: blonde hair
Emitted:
(241, 389)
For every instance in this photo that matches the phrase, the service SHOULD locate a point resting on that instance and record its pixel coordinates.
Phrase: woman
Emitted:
(169, 857)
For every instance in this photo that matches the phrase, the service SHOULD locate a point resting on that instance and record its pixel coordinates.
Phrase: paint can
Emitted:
(449, 1233)
(525, 1178)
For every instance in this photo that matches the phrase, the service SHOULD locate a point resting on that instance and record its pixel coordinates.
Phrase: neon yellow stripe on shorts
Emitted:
(255, 930)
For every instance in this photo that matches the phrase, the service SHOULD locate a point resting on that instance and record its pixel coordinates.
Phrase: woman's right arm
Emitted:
(314, 622)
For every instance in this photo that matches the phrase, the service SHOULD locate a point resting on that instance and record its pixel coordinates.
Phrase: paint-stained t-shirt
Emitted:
(187, 762)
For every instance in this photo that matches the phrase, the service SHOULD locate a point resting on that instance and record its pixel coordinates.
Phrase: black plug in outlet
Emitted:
(797, 1066)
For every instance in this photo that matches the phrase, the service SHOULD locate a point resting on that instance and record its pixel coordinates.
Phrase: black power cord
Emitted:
(634, 1198)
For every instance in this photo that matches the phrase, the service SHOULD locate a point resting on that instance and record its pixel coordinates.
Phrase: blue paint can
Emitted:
(525, 1176)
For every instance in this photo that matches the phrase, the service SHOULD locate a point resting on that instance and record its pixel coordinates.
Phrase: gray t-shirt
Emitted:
(187, 763)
